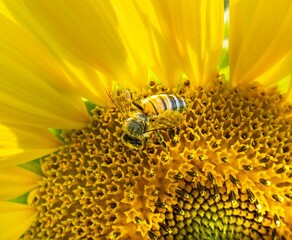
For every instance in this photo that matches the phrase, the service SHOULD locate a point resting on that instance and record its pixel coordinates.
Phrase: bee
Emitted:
(156, 112)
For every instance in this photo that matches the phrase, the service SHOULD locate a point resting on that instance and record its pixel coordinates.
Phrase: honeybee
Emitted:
(156, 112)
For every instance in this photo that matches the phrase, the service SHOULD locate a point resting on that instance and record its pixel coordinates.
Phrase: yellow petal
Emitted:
(15, 219)
(287, 85)
(15, 181)
(190, 39)
(89, 82)
(4, 10)
(86, 28)
(19, 144)
(33, 88)
(81, 70)
(136, 18)
(289, 95)
(277, 72)
(259, 37)
(82, 75)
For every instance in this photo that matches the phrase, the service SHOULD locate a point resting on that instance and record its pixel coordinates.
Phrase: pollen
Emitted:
(225, 172)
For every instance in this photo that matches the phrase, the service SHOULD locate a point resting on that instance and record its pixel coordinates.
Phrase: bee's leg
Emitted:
(173, 133)
(160, 139)
(146, 143)
(148, 139)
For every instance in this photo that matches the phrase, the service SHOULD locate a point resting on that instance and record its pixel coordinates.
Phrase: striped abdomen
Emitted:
(158, 104)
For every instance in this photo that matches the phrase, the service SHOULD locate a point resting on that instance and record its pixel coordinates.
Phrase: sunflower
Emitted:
(70, 170)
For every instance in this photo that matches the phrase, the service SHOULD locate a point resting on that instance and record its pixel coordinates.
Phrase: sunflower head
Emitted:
(146, 136)
(206, 177)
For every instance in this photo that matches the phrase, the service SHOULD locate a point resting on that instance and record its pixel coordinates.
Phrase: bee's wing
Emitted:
(121, 97)
(166, 120)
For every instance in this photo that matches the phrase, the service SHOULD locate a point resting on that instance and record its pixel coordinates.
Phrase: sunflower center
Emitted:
(223, 173)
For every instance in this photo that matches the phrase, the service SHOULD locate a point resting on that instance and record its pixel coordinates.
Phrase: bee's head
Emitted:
(135, 126)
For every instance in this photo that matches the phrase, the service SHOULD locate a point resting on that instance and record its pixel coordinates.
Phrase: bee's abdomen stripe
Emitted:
(157, 104)
(152, 104)
(178, 103)
(182, 103)
(173, 103)
(163, 102)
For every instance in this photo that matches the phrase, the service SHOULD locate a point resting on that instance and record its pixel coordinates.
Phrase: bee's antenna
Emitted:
(112, 99)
